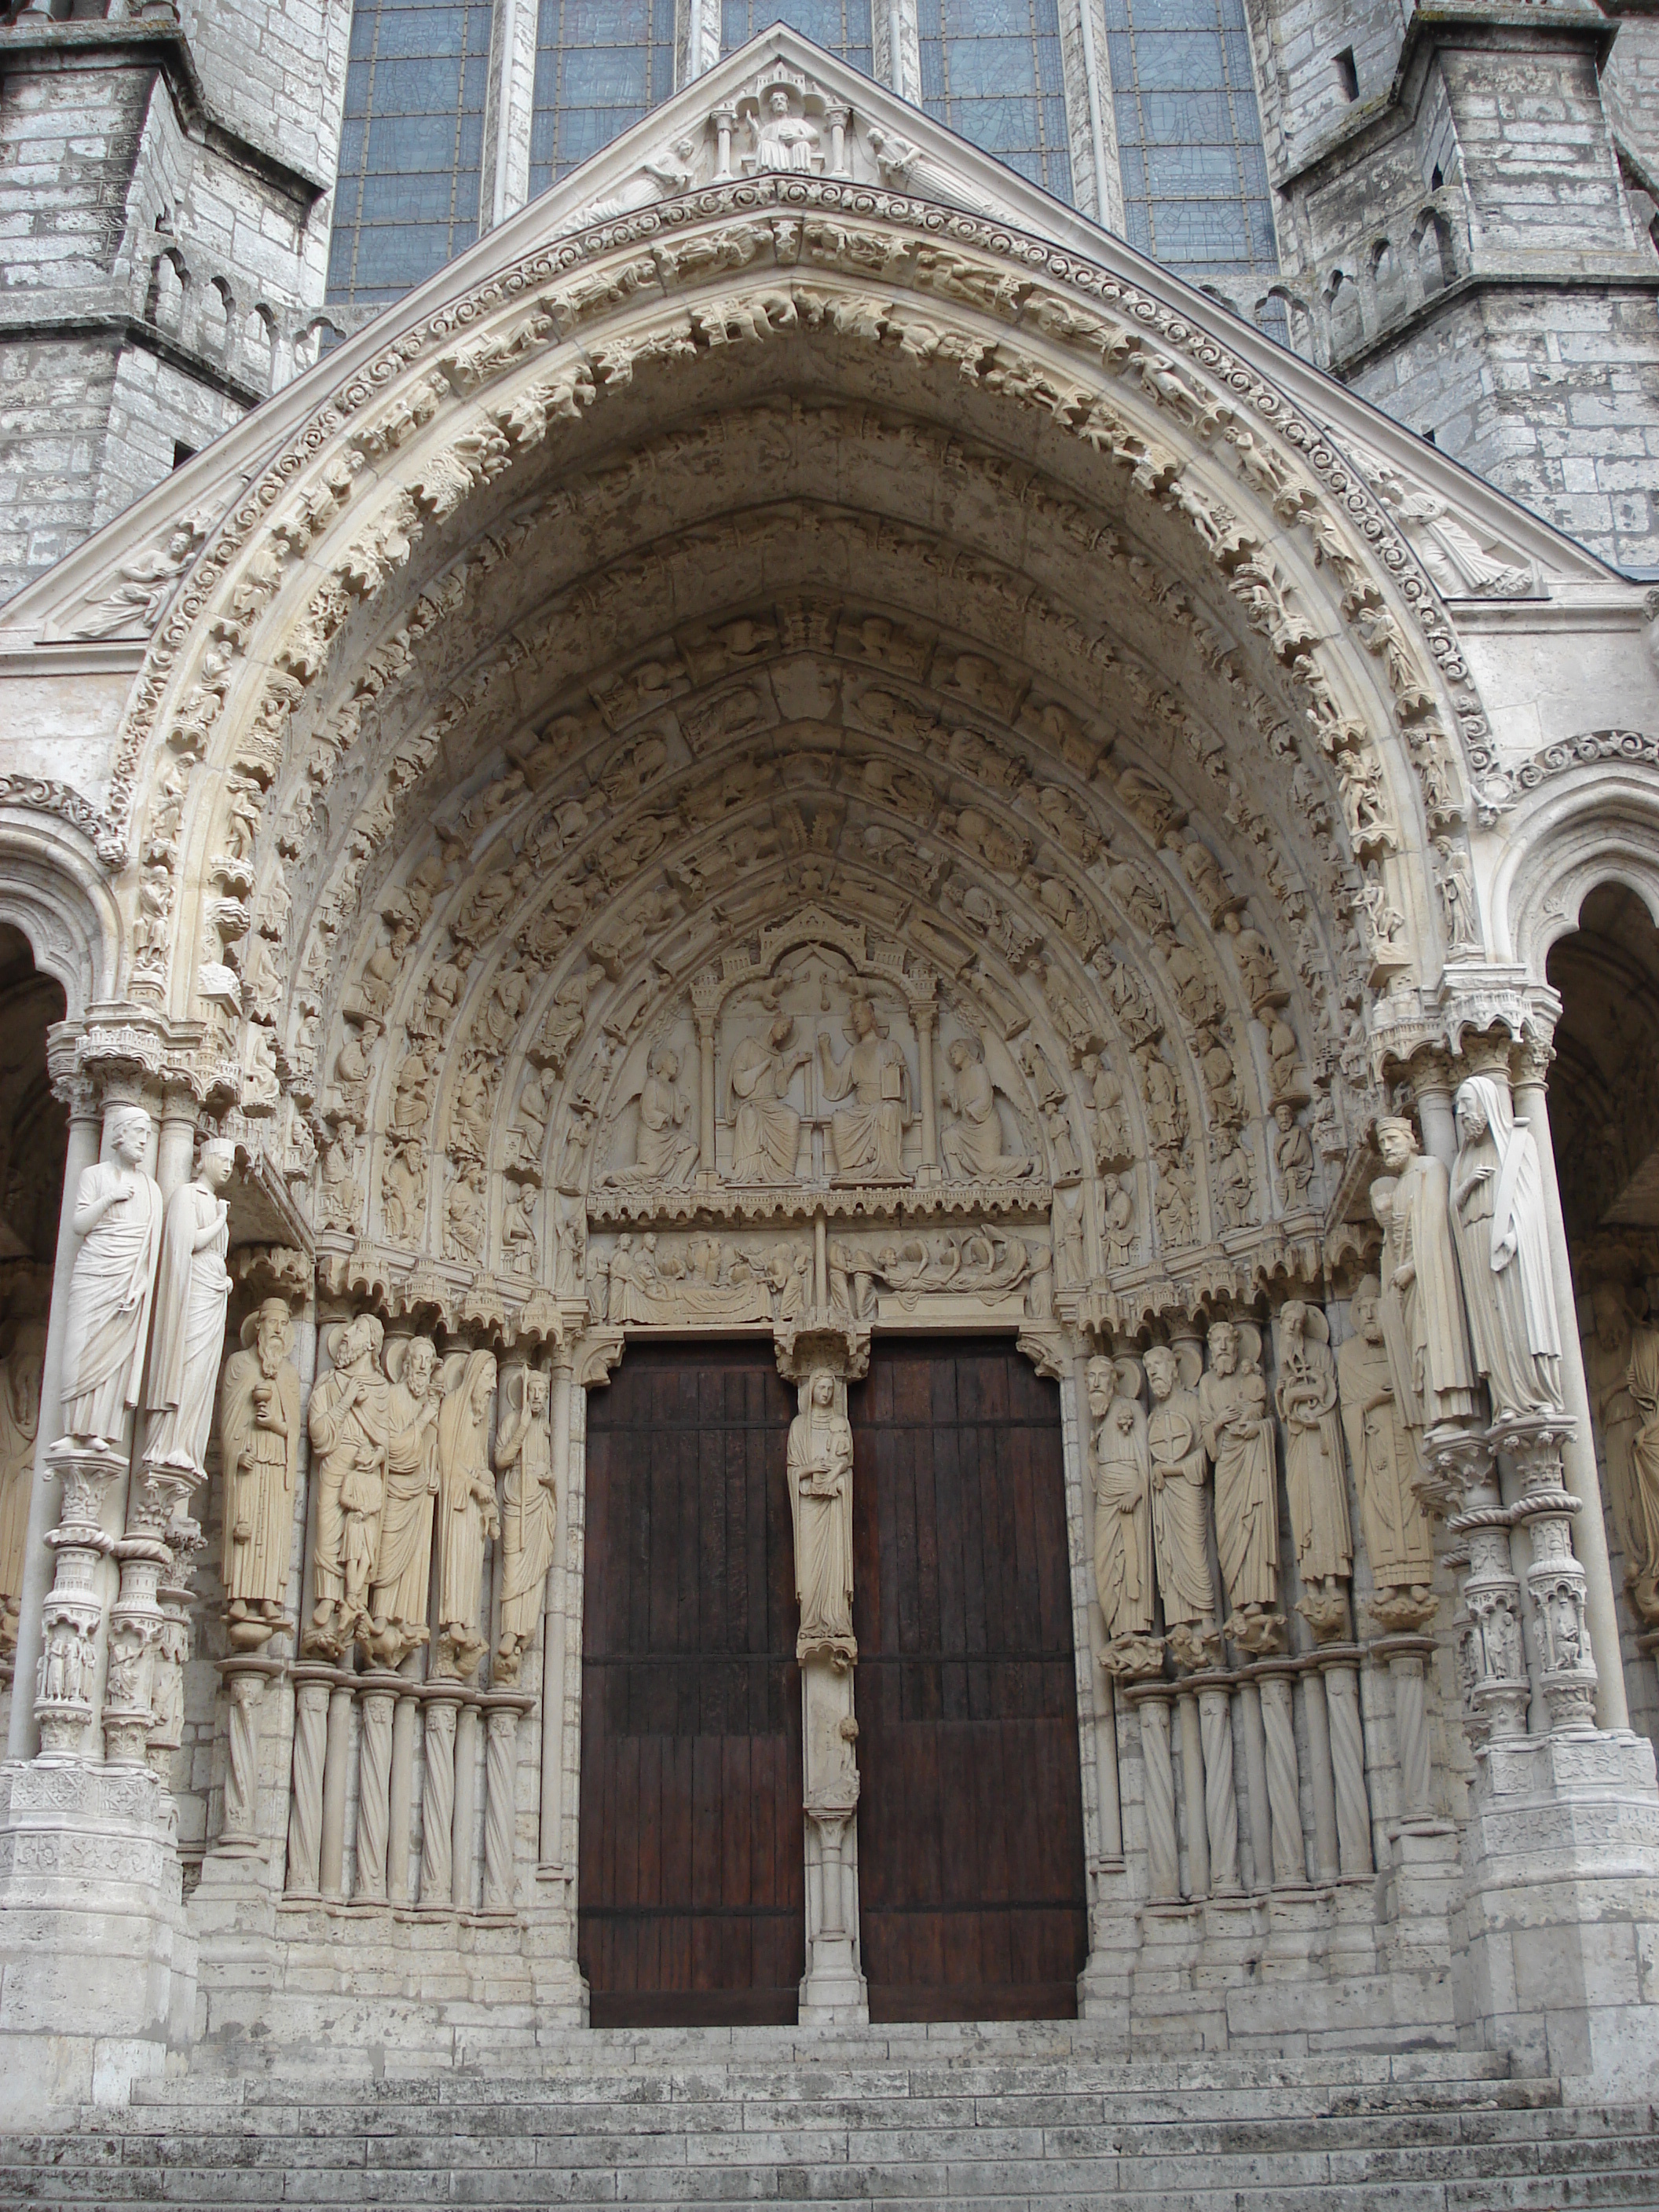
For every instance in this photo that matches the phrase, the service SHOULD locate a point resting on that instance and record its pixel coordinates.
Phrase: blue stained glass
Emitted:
(1189, 143)
(839, 26)
(600, 65)
(982, 62)
(407, 195)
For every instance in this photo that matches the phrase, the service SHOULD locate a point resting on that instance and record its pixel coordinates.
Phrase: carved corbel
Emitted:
(816, 1346)
(595, 1357)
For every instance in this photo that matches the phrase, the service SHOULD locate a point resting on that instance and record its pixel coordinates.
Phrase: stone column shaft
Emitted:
(1192, 1788)
(1256, 1783)
(401, 1799)
(438, 1805)
(1290, 1863)
(1347, 1742)
(1162, 1851)
(550, 1852)
(1582, 1477)
(1220, 1797)
(376, 1695)
(501, 1803)
(304, 1822)
(1322, 1788)
(462, 1871)
(335, 1760)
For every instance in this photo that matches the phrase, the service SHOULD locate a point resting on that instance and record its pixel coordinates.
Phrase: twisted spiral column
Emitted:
(438, 1803)
(1220, 1799)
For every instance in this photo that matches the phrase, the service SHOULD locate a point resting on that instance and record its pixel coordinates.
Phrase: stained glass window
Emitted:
(407, 195)
(839, 26)
(1189, 140)
(991, 69)
(600, 65)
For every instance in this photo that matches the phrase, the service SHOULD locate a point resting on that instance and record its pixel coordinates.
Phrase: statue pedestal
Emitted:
(100, 1973)
(1559, 1910)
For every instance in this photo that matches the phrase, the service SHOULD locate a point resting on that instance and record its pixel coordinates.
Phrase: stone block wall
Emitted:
(1461, 243)
(164, 211)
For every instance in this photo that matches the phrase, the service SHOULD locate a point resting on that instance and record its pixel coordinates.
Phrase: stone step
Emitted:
(981, 2119)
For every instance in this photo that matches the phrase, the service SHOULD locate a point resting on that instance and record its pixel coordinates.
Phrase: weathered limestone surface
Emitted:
(799, 762)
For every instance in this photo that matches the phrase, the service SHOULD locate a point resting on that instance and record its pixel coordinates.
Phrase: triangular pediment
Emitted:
(108, 596)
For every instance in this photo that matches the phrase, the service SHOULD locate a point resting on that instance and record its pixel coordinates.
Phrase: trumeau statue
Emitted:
(1397, 1542)
(402, 1562)
(1502, 1250)
(192, 1290)
(1423, 1322)
(972, 1145)
(20, 1426)
(765, 1128)
(1175, 1445)
(117, 1217)
(467, 1518)
(348, 1419)
(1306, 1398)
(259, 1428)
(868, 1136)
(1123, 1522)
(1238, 1436)
(530, 1515)
(820, 1473)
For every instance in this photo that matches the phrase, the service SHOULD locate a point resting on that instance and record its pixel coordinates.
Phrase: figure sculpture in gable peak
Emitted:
(118, 1219)
(784, 141)
(192, 1289)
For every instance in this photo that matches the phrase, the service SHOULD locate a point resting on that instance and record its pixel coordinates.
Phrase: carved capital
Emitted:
(820, 1345)
(595, 1356)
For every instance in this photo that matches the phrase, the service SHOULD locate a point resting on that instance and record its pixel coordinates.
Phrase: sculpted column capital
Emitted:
(822, 1347)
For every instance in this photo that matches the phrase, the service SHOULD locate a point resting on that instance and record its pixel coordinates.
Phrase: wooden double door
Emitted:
(972, 1902)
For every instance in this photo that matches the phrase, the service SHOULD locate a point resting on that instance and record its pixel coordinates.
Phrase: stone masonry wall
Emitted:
(164, 261)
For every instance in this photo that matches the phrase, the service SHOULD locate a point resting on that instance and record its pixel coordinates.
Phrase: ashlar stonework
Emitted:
(805, 760)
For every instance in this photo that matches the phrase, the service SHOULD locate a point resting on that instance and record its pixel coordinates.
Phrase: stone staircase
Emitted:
(987, 2117)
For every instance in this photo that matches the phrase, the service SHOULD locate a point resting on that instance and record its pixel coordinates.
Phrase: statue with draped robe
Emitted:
(403, 1565)
(1502, 1253)
(118, 1219)
(530, 1518)
(1123, 1518)
(192, 1289)
(820, 1468)
(467, 1518)
(1423, 1317)
(1178, 1463)
(765, 1126)
(1238, 1436)
(259, 1430)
